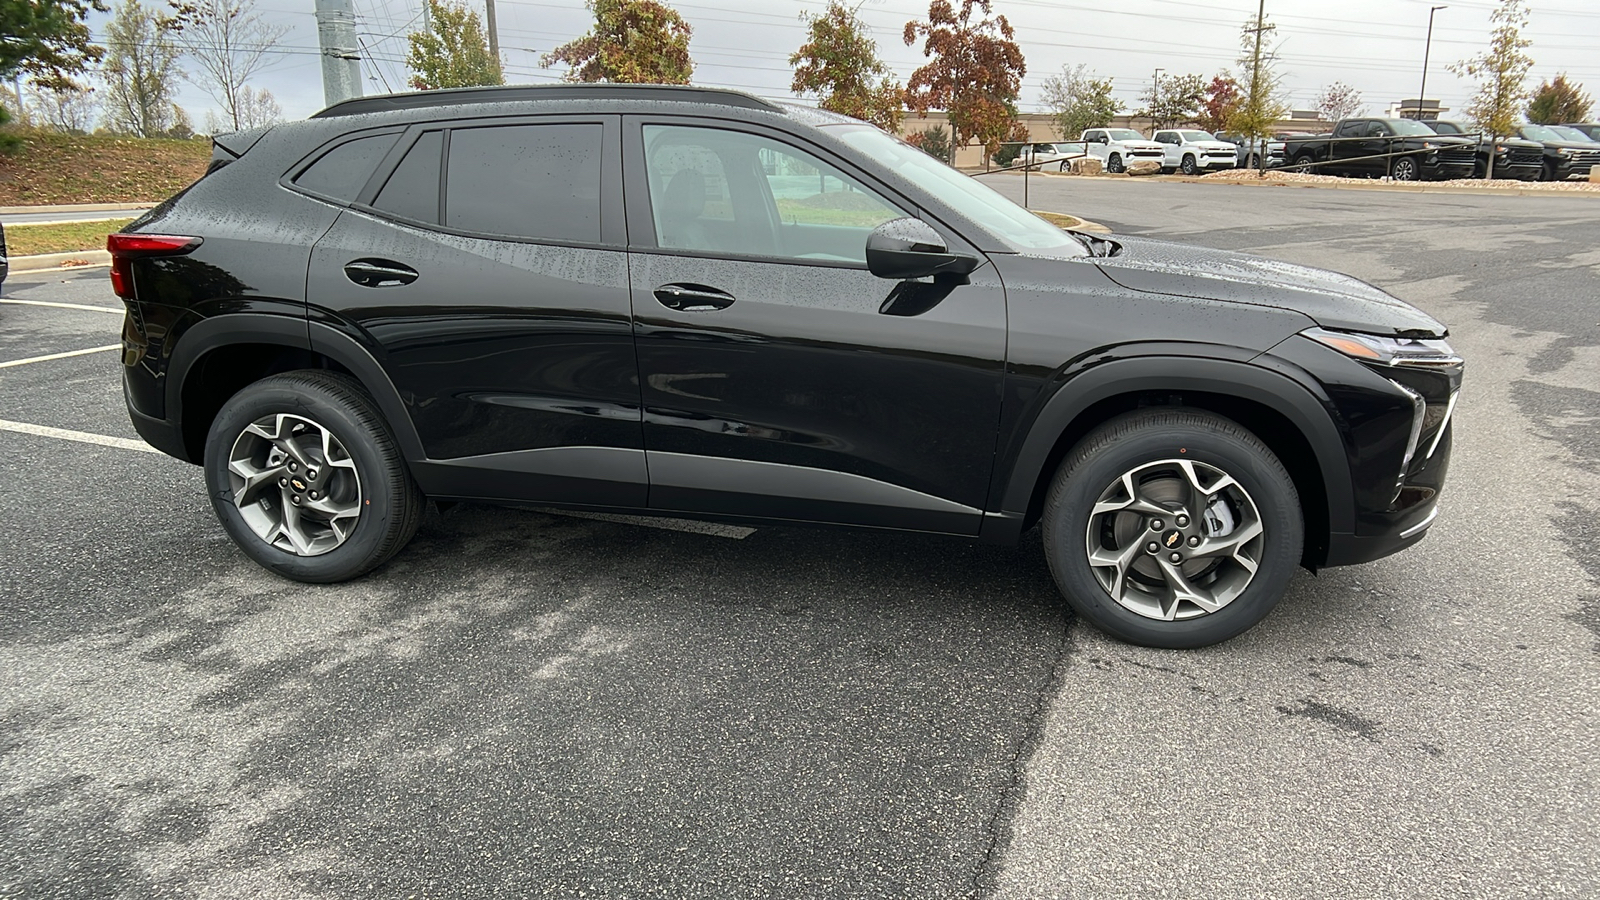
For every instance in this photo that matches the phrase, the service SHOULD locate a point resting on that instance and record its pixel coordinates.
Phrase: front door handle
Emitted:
(692, 297)
(379, 273)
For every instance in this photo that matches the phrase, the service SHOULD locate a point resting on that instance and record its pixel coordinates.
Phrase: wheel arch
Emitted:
(222, 354)
(1283, 413)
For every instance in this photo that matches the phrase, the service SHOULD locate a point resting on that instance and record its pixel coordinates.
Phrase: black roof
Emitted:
(527, 92)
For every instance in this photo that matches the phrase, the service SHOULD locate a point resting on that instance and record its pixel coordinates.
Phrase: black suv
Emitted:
(697, 303)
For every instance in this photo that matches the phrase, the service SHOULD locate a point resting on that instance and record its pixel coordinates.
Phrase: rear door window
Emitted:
(412, 192)
(538, 182)
(342, 172)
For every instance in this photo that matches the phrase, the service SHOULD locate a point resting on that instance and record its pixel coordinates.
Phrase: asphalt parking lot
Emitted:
(525, 704)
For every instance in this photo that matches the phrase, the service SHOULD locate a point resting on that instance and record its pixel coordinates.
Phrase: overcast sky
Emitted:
(1374, 45)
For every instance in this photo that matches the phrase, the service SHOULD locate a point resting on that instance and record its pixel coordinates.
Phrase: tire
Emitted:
(1154, 450)
(1480, 170)
(1252, 162)
(1304, 162)
(1404, 169)
(1114, 163)
(1189, 166)
(314, 437)
(1548, 173)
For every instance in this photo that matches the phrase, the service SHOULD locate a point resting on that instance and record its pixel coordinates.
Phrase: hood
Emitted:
(1570, 145)
(1216, 145)
(1332, 300)
(1142, 145)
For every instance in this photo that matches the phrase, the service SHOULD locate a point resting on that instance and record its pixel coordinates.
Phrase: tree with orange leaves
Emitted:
(974, 72)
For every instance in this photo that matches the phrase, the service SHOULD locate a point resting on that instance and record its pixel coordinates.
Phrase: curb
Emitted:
(72, 208)
(42, 261)
(1390, 186)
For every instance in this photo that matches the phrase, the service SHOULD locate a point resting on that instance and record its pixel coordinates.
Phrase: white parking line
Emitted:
(80, 436)
(114, 310)
(33, 359)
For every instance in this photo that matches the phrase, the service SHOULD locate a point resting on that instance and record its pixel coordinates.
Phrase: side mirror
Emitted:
(900, 249)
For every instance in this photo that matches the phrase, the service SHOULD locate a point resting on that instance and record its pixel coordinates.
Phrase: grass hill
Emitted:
(51, 168)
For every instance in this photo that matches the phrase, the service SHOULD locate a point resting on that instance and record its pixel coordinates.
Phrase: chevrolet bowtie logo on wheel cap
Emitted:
(1173, 538)
(299, 485)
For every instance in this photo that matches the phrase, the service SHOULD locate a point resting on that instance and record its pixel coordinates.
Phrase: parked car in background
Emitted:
(780, 315)
(1250, 150)
(1514, 157)
(1564, 155)
(1589, 129)
(1116, 147)
(1048, 155)
(1402, 149)
(1191, 151)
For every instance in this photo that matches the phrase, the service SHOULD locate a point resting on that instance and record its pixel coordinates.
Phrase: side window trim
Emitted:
(641, 224)
(613, 228)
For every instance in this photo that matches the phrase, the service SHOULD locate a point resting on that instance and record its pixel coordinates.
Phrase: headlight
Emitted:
(1501, 149)
(1429, 145)
(1386, 351)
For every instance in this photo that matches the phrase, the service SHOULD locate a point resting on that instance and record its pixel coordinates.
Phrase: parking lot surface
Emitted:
(529, 704)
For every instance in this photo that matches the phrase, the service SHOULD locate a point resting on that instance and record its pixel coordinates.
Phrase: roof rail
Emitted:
(523, 92)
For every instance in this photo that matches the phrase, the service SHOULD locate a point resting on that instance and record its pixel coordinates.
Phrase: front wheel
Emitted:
(1404, 169)
(1114, 163)
(1172, 528)
(307, 478)
(1189, 166)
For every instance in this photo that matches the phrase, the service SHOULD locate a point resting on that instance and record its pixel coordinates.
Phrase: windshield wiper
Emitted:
(1097, 246)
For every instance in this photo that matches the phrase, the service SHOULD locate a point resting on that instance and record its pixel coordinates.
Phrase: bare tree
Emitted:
(141, 71)
(1339, 101)
(257, 108)
(229, 40)
(67, 108)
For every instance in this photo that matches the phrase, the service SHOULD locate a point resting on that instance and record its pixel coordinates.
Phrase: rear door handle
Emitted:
(692, 297)
(379, 273)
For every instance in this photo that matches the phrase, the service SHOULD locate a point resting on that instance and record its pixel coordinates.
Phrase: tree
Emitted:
(1078, 101)
(935, 142)
(69, 109)
(974, 73)
(1557, 102)
(258, 108)
(1263, 104)
(1221, 99)
(1174, 100)
(632, 42)
(839, 63)
(1503, 73)
(47, 39)
(141, 71)
(1339, 101)
(229, 40)
(452, 52)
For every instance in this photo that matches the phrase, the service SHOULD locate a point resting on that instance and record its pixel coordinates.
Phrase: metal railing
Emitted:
(1029, 164)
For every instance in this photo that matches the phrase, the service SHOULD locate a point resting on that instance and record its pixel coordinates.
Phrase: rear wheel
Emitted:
(1172, 528)
(1304, 162)
(307, 479)
(1114, 163)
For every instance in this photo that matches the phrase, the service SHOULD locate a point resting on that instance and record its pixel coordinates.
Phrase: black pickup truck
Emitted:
(1514, 157)
(1359, 147)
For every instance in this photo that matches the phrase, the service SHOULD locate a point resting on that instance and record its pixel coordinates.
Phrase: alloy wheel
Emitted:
(1175, 539)
(1405, 169)
(295, 484)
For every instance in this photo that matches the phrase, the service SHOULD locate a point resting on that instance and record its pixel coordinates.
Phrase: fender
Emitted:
(295, 332)
(1301, 402)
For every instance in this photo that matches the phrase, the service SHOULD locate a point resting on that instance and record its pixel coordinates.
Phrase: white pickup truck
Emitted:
(1192, 151)
(1116, 147)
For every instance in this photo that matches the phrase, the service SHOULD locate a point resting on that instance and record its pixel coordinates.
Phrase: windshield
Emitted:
(1197, 136)
(1446, 127)
(966, 195)
(1124, 134)
(1409, 127)
(1571, 134)
(1540, 133)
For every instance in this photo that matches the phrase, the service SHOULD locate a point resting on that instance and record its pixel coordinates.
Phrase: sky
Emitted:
(1375, 46)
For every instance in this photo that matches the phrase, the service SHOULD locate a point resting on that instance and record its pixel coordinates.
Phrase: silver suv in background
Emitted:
(1192, 151)
(1249, 150)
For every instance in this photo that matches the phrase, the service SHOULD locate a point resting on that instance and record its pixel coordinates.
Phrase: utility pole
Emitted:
(1254, 103)
(341, 55)
(494, 32)
(1422, 92)
(1155, 99)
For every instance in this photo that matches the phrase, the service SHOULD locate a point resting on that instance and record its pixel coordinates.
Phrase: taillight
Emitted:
(124, 248)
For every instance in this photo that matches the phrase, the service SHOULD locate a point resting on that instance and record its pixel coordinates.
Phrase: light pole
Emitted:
(1423, 91)
(1155, 99)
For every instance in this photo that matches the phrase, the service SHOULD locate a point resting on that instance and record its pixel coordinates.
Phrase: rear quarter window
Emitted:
(342, 172)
